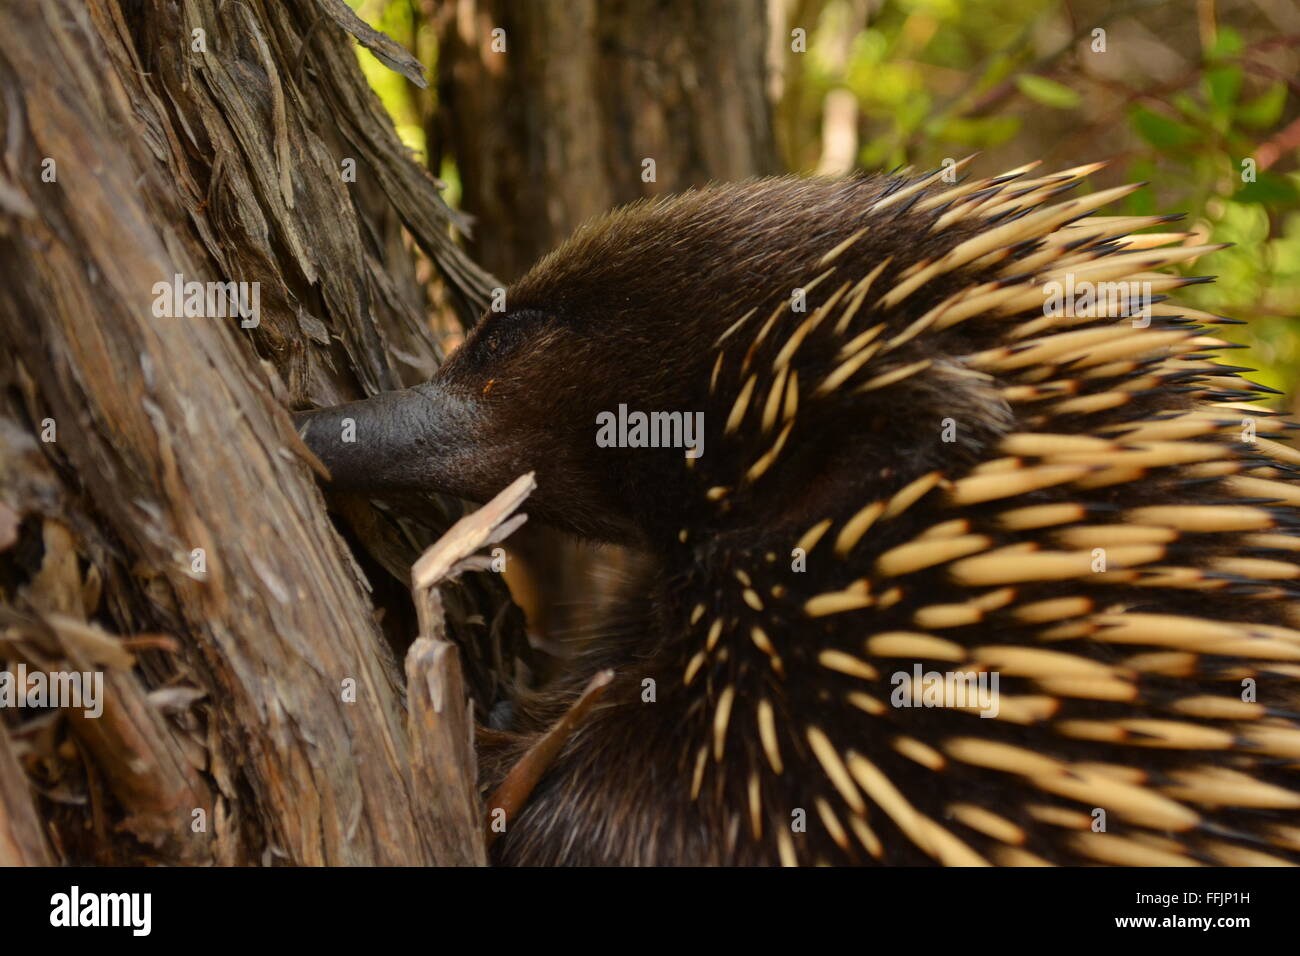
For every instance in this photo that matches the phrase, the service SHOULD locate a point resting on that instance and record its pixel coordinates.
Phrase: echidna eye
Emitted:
(507, 331)
(523, 317)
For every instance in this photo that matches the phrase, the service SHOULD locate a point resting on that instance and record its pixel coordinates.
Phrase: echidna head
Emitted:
(629, 318)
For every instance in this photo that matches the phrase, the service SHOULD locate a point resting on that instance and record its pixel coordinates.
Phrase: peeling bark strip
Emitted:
(21, 840)
(139, 141)
(389, 53)
(443, 765)
(443, 768)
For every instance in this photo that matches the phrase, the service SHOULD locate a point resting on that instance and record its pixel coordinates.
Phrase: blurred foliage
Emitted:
(1187, 95)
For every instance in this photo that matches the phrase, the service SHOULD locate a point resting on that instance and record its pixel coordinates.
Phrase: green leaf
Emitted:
(1227, 43)
(1222, 84)
(1269, 189)
(1001, 65)
(1265, 110)
(1190, 108)
(1161, 131)
(984, 132)
(1048, 92)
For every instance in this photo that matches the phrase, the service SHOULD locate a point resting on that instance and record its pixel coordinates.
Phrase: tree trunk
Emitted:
(159, 518)
(551, 121)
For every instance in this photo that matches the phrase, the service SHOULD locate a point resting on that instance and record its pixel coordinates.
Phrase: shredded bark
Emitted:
(174, 517)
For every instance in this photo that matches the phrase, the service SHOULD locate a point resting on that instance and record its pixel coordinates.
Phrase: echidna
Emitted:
(913, 463)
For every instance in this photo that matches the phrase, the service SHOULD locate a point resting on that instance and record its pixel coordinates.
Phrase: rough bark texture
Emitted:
(135, 149)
